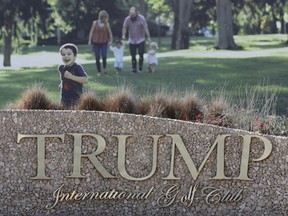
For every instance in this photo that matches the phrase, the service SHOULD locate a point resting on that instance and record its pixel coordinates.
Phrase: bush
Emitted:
(190, 107)
(122, 100)
(89, 101)
(255, 113)
(34, 98)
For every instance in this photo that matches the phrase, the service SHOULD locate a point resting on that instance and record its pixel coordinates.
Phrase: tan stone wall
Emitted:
(265, 194)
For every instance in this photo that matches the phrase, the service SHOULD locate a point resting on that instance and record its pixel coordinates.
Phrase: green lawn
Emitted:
(200, 68)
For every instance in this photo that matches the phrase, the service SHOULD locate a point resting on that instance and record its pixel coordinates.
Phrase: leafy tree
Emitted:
(160, 12)
(203, 14)
(182, 12)
(260, 16)
(18, 16)
(281, 15)
(78, 15)
(277, 14)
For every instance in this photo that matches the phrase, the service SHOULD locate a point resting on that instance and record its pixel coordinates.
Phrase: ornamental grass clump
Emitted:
(189, 108)
(122, 100)
(56, 106)
(253, 111)
(168, 105)
(216, 111)
(174, 107)
(34, 98)
(158, 105)
(89, 101)
(143, 105)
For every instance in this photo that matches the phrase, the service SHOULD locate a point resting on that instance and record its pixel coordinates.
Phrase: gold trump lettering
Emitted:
(61, 196)
(169, 194)
(177, 142)
(212, 195)
(189, 198)
(216, 195)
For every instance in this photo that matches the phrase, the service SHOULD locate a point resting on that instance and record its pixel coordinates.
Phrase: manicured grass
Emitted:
(186, 71)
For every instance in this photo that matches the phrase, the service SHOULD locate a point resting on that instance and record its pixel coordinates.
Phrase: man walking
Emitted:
(137, 28)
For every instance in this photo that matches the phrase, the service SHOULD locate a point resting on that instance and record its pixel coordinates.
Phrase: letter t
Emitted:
(40, 151)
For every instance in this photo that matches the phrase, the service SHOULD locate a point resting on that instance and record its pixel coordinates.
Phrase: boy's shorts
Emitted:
(118, 65)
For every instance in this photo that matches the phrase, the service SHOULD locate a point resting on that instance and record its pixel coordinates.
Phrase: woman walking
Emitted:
(100, 35)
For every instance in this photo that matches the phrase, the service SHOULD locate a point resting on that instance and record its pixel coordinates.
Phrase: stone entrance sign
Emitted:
(96, 163)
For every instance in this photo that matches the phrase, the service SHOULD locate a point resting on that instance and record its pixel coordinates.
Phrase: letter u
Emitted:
(122, 155)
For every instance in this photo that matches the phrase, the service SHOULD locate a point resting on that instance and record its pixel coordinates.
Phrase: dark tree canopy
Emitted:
(44, 19)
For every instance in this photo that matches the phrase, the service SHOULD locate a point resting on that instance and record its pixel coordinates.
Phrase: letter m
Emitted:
(178, 142)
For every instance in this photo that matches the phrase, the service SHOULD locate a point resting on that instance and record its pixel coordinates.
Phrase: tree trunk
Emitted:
(282, 21)
(175, 25)
(143, 7)
(281, 17)
(224, 38)
(7, 49)
(58, 33)
(274, 29)
(7, 52)
(181, 33)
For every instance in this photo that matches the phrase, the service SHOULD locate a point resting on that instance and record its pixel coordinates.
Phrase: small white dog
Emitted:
(151, 57)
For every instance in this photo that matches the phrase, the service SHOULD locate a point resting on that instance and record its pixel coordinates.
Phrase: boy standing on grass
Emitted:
(72, 75)
(118, 52)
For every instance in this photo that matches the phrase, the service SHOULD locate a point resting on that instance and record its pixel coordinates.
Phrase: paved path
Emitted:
(46, 59)
(40, 59)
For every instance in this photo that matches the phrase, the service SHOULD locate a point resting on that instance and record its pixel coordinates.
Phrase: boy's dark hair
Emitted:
(71, 46)
(118, 42)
